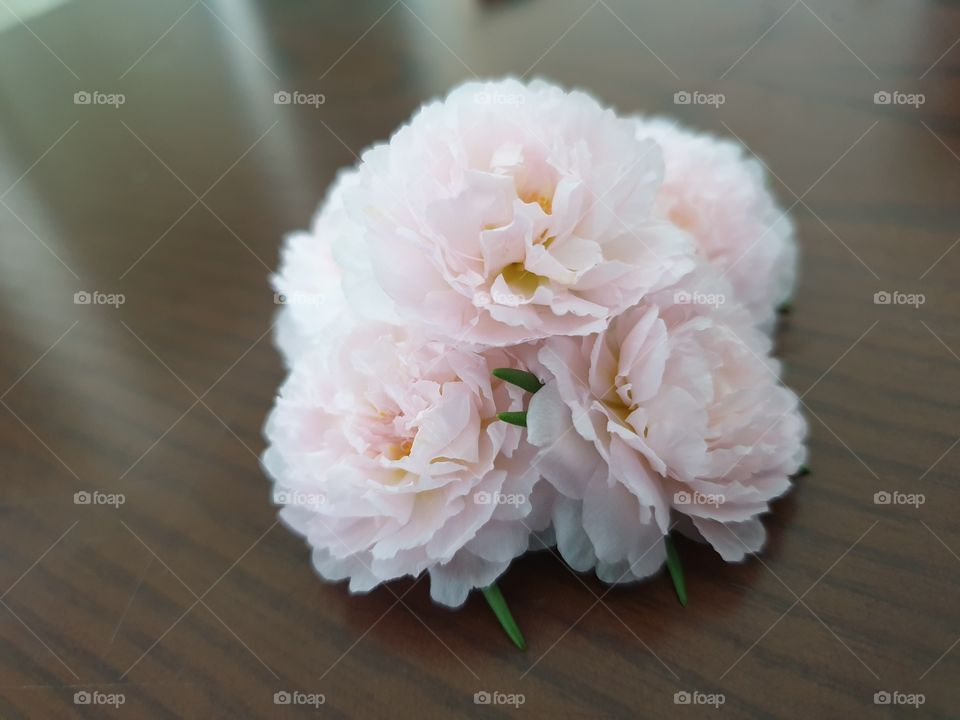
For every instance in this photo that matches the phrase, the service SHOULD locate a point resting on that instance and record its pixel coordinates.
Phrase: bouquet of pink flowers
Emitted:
(527, 322)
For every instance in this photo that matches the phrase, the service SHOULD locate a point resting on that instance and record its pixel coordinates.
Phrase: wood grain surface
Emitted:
(190, 601)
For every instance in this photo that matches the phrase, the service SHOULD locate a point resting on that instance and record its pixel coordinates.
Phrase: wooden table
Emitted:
(190, 601)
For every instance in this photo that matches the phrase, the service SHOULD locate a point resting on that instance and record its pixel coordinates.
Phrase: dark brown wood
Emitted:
(192, 602)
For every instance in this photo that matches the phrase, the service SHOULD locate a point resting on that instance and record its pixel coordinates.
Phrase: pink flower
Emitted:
(505, 213)
(308, 283)
(630, 265)
(388, 458)
(718, 194)
(674, 413)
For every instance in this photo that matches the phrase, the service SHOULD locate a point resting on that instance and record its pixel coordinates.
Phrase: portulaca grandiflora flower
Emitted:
(526, 321)
(718, 193)
(387, 455)
(673, 414)
(505, 213)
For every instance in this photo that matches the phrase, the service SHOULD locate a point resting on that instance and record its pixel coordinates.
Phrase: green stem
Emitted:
(521, 378)
(502, 612)
(514, 418)
(676, 572)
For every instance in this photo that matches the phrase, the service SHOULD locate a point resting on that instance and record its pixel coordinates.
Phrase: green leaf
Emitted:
(514, 418)
(502, 612)
(785, 308)
(804, 470)
(521, 378)
(676, 572)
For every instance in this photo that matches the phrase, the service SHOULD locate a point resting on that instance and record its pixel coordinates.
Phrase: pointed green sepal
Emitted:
(676, 572)
(804, 470)
(521, 378)
(785, 308)
(502, 612)
(514, 418)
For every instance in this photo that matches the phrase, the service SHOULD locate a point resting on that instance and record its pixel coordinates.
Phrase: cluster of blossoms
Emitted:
(630, 268)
